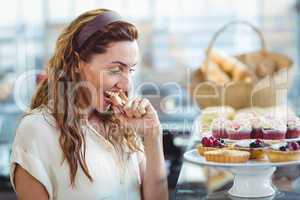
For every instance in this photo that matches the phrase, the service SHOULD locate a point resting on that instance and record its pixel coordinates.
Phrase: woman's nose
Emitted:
(124, 82)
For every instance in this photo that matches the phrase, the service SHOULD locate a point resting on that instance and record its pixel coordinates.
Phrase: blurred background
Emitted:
(173, 36)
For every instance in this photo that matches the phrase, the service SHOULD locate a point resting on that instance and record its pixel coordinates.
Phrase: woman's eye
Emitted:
(115, 70)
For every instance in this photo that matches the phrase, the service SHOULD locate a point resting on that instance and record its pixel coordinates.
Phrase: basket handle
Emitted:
(222, 29)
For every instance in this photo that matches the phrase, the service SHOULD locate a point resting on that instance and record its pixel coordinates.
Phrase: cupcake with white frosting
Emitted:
(218, 127)
(255, 121)
(273, 128)
(293, 127)
(239, 129)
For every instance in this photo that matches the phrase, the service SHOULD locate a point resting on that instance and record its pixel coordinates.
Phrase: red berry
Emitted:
(216, 143)
(210, 143)
(294, 146)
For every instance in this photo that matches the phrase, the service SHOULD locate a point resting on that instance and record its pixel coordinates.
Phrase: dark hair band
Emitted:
(96, 24)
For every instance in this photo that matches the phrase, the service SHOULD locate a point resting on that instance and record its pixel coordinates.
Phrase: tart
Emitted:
(284, 152)
(209, 144)
(239, 129)
(293, 127)
(218, 127)
(256, 148)
(227, 156)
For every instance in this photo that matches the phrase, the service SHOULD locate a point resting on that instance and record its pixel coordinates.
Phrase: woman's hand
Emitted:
(140, 115)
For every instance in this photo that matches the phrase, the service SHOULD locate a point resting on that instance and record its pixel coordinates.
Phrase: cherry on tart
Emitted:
(283, 152)
(210, 143)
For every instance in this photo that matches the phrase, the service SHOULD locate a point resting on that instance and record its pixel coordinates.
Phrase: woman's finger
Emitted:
(134, 107)
(142, 107)
(128, 110)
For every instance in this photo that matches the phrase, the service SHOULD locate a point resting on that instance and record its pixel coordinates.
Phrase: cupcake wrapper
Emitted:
(273, 135)
(293, 133)
(256, 134)
(239, 135)
(220, 133)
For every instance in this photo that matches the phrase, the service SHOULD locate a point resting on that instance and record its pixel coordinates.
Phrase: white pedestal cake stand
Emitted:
(251, 180)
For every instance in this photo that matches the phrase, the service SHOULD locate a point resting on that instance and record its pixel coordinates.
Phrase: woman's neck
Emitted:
(96, 119)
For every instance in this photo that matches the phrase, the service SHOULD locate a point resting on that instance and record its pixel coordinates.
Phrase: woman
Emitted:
(76, 143)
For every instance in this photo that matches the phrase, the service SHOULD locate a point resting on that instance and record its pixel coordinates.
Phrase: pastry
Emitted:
(218, 127)
(227, 156)
(211, 113)
(284, 152)
(256, 148)
(255, 121)
(239, 129)
(210, 143)
(117, 98)
(215, 74)
(232, 66)
(273, 128)
(293, 127)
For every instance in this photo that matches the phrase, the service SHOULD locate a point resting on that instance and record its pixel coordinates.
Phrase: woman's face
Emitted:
(110, 71)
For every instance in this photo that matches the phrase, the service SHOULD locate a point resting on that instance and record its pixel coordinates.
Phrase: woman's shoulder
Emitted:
(36, 125)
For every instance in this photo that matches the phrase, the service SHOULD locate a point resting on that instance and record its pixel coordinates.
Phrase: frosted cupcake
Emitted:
(293, 127)
(273, 128)
(239, 129)
(218, 127)
(255, 121)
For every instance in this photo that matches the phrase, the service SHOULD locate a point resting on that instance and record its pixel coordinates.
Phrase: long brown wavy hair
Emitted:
(57, 90)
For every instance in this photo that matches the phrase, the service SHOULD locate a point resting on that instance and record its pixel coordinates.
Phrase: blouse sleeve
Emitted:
(31, 150)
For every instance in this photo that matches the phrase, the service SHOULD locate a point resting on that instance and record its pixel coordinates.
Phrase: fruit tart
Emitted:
(256, 148)
(283, 152)
(227, 156)
(210, 143)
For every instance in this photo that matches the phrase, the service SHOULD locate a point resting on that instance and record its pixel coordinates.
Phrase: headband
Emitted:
(96, 24)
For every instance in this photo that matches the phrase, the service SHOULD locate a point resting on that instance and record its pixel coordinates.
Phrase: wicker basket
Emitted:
(269, 91)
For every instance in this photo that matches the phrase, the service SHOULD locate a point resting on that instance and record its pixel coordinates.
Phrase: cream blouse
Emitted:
(36, 148)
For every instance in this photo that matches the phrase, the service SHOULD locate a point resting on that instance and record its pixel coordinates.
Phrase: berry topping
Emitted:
(282, 148)
(212, 142)
(256, 144)
(294, 146)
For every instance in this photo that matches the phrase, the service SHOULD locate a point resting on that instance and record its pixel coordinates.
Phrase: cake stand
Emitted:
(251, 180)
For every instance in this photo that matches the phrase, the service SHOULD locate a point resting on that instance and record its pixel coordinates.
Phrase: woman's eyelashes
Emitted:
(118, 70)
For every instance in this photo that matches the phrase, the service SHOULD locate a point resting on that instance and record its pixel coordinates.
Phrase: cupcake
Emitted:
(210, 143)
(255, 121)
(293, 127)
(239, 129)
(256, 148)
(227, 156)
(273, 128)
(284, 152)
(218, 127)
